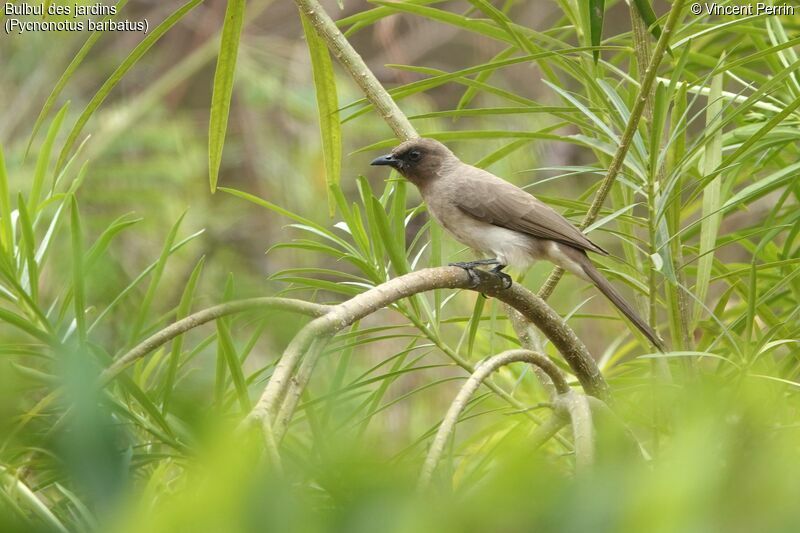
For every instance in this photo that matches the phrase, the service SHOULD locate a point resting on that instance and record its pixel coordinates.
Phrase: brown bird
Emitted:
(500, 220)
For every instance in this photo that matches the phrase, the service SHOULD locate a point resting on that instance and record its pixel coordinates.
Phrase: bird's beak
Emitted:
(387, 160)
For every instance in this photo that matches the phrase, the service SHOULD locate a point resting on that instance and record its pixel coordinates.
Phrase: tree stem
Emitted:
(627, 136)
(358, 70)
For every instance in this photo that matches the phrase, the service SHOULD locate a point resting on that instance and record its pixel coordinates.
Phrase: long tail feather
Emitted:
(616, 298)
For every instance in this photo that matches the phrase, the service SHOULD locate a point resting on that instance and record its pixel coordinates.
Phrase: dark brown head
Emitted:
(419, 160)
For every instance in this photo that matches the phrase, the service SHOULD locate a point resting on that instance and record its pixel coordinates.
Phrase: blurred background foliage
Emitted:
(111, 236)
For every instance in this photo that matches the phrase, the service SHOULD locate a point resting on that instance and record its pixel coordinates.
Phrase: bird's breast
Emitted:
(509, 247)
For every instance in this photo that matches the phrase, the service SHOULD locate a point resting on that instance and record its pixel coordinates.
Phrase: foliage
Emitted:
(703, 221)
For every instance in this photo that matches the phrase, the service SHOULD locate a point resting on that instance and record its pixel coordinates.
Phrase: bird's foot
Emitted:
(479, 262)
(498, 271)
(469, 267)
(507, 281)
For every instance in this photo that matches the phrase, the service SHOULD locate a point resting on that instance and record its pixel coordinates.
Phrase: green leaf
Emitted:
(175, 354)
(502, 20)
(234, 365)
(117, 75)
(223, 86)
(328, 108)
(711, 194)
(29, 248)
(43, 160)
(77, 269)
(648, 15)
(144, 308)
(67, 74)
(397, 253)
(6, 231)
(97, 249)
(763, 186)
(597, 10)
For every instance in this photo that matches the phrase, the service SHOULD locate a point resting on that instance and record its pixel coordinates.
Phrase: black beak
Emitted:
(387, 160)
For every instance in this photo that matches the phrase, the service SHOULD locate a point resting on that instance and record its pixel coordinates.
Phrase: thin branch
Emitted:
(580, 415)
(483, 371)
(358, 70)
(627, 136)
(207, 315)
(529, 340)
(546, 431)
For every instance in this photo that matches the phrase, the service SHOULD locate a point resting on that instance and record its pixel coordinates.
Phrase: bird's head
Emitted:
(418, 160)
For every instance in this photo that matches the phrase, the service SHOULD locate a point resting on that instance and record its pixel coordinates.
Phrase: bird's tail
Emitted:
(616, 298)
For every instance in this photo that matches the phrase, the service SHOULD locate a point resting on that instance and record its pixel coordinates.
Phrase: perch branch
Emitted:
(627, 136)
(358, 70)
(391, 113)
(483, 371)
(201, 317)
(344, 314)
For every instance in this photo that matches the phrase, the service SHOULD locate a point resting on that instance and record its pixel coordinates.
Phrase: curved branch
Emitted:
(201, 317)
(344, 314)
(483, 371)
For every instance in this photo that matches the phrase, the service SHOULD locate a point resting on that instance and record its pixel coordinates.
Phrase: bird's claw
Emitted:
(507, 281)
(469, 267)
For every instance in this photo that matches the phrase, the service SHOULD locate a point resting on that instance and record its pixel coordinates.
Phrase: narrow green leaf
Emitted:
(597, 9)
(97, 249)
(6, 231)
(763, 186)
(43, 161)
(117, 75)
(77, 269)
(67, 74)
(220, 378)
(711, 194)
(397, 253)
(474, 324)
(25, 495)
(25, 325)
(223, 86)
(482, 77)
(502, 20)
(184, 307)
(144, 308)
(124, 292)
(234, 365)
(29, 248)
(328, 108)
(649, 16)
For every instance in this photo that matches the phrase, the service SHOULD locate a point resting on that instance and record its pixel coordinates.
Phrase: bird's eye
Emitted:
(414, 155)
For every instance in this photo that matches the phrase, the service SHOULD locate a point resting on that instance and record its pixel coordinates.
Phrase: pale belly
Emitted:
(509, 247)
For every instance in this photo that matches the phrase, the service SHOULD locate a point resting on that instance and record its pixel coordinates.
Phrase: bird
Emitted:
(502, 222)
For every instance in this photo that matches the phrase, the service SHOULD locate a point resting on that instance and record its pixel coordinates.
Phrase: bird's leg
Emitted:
(473, 264)
(498, 271)
(469, 266)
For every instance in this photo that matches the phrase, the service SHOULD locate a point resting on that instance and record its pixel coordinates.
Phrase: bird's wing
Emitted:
(498, 202)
